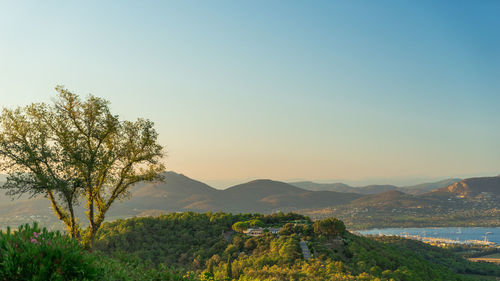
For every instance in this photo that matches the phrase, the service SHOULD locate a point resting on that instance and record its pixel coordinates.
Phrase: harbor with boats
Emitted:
(471, 236)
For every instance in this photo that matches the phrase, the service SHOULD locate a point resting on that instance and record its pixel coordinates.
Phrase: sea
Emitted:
(462, 234)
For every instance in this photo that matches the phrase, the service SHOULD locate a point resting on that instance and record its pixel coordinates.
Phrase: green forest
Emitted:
(195, 246)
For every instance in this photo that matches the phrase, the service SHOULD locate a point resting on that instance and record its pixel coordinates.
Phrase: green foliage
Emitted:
(127, 267)
(191, 246)
(31, 253)
(280, 218)
(440, 256)
(255, 223)
(244, 225)
(76, 150)
(240, 226)
(291, 228)
(384, 260)
(180, 239)
(329, 227)
(35, 254)
(229, 269)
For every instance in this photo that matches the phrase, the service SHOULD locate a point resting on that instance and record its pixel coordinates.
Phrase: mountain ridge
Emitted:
(181, 193)
(375, 188)
(471, 187)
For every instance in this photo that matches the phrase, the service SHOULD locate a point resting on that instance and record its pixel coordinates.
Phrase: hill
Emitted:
(176, 193)
(427, 187)
(472, 187)
(390, 200)
(469, 202)
(180, 193)
(268, 196)
(374, 189)
(196, 242)
(392, 207)
(337, 187)
(341, 187)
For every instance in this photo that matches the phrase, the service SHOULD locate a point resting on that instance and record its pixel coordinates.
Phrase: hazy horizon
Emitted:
(390, 92)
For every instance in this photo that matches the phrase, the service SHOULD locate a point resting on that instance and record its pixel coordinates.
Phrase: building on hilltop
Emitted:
(259, 231)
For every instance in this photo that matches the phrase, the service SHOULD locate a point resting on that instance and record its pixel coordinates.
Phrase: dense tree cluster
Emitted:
(329, 227)
(440, 256)
(180, 239)
(243, 225)
(201, 243)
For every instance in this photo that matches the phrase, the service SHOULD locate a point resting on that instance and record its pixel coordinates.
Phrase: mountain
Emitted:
(484, 189)
(268, 195)
(469, 202)
(470, 188)
(176, 192)
(374, 189)
(426, 187)
(338, 187)
(179, 193)
(391, 199)
(341, 187)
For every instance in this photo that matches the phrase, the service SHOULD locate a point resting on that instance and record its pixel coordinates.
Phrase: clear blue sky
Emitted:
(393, 91)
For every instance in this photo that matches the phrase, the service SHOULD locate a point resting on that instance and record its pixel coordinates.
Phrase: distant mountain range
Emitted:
(180, 193)
(469, 202)
(374, 189)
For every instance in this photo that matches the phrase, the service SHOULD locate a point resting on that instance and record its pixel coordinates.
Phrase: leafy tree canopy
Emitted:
(329, 227)
(76, 150)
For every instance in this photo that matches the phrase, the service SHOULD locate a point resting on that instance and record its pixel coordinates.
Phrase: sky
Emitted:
(355, 91)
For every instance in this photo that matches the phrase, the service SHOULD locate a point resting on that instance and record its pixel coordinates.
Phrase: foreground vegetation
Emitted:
(193, 246)
(33, 253)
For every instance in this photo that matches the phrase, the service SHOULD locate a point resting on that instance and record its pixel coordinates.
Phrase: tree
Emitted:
(240, 226)
(75, 151)
(329, 227)
(229, 269)
(288, 229)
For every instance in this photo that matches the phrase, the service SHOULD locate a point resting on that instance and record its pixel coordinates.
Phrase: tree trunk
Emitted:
(73, 227)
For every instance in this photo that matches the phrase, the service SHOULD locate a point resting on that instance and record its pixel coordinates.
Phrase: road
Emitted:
(305, 250)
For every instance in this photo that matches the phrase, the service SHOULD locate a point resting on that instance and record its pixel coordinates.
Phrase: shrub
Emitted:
(31, 253)
(129, 267)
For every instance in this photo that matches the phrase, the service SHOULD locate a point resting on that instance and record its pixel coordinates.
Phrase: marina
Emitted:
(478, 236)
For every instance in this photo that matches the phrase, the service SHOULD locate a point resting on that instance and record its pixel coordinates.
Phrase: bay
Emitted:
(455, 233)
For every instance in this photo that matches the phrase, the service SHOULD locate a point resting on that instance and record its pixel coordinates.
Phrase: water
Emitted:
(454, 233)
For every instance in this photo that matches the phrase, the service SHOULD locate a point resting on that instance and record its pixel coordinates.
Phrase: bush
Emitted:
(31, 253)
(128, 267)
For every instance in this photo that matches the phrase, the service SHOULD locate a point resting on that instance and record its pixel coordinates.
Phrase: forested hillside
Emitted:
(206, 245)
